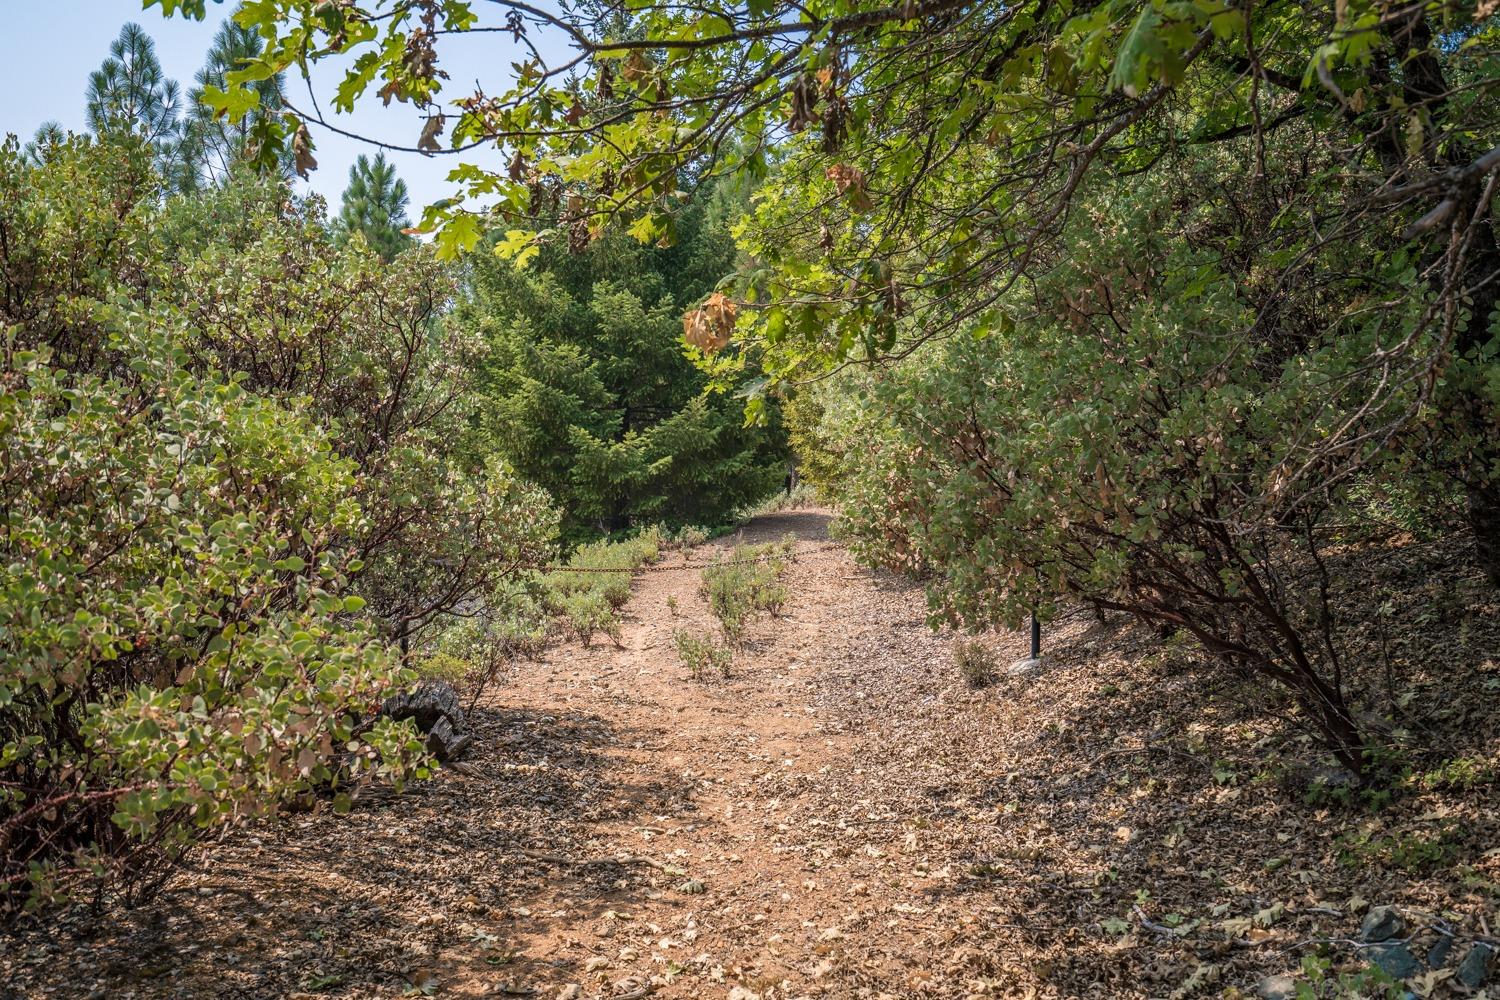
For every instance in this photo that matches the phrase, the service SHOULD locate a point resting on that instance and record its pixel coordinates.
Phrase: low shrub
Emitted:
(589, 613)
(443, 666)
(177, 652)
(736, 588)
(1416, 852)
(226, 510)
(610, 558)
(472, 652)
(691, 536)
(589, 602)
(974, 662)
(701, 655)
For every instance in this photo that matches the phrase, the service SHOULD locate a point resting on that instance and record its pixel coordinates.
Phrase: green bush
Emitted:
(595, 582)
(180, 647)
(701, 655)
(736, 588)
(1414, 851)
(691, 536)
(1094, 443)
(224, 504)
(589, 613)
(443, 666)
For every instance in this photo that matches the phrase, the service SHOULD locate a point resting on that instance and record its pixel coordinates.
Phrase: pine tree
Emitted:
(213, 144)
(129, 93)
(48, 135)
(374, 204)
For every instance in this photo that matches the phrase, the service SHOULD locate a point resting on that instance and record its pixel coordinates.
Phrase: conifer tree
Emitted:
(130, 93)
(48, 135)
(214, 143)
(591, 394)
(374, 204)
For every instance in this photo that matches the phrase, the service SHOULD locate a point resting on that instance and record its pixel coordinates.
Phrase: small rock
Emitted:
(692, 887)
(1476, 965)
(1023, 667)
(572, 991)
(1332, 776)
(1395, 960)
(1438, 956)
(1381, 924)
(1276, 988)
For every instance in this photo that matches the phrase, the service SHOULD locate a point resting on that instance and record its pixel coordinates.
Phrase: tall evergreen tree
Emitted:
(374, 204)
(591, 394)
(214, 144)
(130, 93)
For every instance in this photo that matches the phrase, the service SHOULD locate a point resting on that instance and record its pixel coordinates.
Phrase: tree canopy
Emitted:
(130, 93)
(215, 145)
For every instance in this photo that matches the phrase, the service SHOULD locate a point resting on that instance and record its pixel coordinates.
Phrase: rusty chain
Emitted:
(659, 568)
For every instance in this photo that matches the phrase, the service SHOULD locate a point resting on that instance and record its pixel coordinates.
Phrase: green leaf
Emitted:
(1134, 60)
(457, 236)
(231, 104)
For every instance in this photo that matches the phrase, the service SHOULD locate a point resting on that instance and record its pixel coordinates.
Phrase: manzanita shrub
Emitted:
(231, 489)
(361, 346)
(1119, 441)
(181, 646)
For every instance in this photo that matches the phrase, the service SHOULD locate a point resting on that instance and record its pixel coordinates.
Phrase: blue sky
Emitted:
(49, 47)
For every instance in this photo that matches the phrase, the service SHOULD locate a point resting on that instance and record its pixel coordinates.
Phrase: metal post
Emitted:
(1034, 663)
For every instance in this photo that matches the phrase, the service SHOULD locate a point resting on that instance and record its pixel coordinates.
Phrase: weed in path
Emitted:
(596, 584)
(700, 654)
(974, 662)
(737, 587)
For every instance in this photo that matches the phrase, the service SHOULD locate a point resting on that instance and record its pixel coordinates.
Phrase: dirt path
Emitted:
(841, 818)
(618, 829)
(769, 856)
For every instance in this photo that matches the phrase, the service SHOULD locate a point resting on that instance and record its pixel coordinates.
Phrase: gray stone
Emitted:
(1395, 960)
(1438, 956)
(1276, 988)
(1023, 667)
(1477, 965)
(1332, 776)
(1381, 924)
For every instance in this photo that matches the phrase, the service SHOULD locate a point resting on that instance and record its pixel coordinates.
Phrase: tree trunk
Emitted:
(1328, 708)
(1484, 521)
